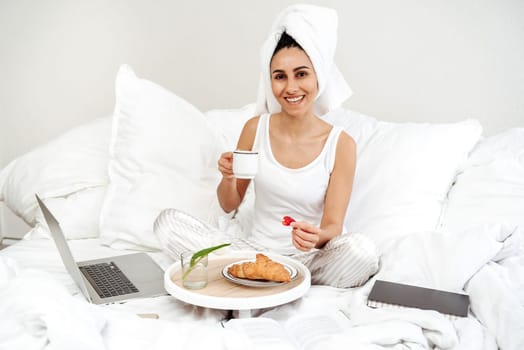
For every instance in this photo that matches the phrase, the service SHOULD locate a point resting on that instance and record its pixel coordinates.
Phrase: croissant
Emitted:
(262, 269)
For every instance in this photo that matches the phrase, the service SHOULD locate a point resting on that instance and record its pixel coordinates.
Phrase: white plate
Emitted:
(256, 283)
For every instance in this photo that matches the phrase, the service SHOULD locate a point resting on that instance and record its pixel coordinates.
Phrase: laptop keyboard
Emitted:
(108, 280)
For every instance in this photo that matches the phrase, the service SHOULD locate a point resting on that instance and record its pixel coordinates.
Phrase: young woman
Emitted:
(306, 171)
(306, 166)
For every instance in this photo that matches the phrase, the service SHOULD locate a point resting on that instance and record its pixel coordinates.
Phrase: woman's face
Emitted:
(293, 80)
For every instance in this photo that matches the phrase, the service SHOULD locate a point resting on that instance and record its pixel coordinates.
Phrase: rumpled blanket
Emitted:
(486, 261)
(478, 260)
(38, 312)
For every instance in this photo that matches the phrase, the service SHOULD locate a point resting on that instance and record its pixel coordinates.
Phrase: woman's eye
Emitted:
(301, 74)
(279, 76)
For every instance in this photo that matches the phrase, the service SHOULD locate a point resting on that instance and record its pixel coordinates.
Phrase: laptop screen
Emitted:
(63, 248)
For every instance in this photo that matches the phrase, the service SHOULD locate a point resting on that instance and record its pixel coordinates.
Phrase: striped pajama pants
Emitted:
(345, 261)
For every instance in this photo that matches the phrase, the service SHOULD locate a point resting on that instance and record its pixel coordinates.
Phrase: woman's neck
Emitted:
(296, 125)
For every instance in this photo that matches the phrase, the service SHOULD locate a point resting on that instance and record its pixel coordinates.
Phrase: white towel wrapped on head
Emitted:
(314, 28)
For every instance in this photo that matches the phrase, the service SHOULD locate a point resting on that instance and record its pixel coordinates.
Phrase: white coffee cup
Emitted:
(245, 164)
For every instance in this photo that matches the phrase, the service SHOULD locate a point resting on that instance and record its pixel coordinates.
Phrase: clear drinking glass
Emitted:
(194, 274)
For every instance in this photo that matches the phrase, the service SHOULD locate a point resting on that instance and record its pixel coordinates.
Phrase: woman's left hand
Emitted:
(305, 236)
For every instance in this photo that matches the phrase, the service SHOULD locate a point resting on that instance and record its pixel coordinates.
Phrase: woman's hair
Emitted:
(286, 41)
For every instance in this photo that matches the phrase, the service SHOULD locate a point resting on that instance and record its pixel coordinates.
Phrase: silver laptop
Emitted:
(108, 280)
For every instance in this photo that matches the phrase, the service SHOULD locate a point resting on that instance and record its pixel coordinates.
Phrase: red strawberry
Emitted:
(287, 220)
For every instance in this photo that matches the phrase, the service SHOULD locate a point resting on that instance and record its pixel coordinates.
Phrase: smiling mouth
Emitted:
(295, 99)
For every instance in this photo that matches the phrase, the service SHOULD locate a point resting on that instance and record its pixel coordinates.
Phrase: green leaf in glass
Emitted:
(200, 255)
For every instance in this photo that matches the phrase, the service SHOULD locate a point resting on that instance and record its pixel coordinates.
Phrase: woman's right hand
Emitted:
(225, 165)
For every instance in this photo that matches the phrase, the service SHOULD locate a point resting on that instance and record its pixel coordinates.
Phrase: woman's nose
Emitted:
(292, 86)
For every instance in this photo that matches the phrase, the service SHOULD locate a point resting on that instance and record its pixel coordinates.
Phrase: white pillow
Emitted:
(490, 187)
(163, 154)
(404, 171)
(72, 162)
(230, 122)
(77, 213)
(360, 126)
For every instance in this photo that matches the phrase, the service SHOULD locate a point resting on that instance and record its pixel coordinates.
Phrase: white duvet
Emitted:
(481, 259)
(38, 310)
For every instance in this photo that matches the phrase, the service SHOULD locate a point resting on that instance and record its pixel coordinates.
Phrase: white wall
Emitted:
(406, 60)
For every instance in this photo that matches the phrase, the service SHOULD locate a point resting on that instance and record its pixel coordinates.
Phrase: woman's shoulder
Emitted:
(252, 123)
(249, 131)
(253, 120)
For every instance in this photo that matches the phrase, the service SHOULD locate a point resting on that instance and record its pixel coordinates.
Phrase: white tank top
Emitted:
(281, 191)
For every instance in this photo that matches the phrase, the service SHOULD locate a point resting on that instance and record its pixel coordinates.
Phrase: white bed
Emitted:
(444, 204)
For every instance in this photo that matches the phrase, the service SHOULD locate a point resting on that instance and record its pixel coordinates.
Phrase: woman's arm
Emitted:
(230, 190)
(307, 236)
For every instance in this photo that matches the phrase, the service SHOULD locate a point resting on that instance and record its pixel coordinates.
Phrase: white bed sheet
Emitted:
(43, 309)
(35, 287)
(493, 272)
(42, 254)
